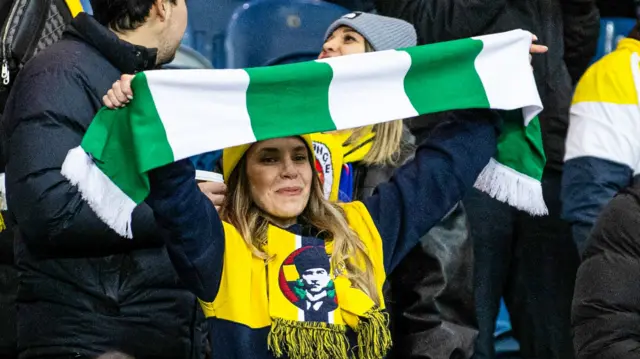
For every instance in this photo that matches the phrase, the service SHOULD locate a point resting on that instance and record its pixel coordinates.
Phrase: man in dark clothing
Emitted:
(8, 285)
(531, 261)
(84, 290)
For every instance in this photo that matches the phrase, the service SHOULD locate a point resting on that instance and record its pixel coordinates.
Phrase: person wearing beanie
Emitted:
(530, 262)
(344, 157)
(432, 289)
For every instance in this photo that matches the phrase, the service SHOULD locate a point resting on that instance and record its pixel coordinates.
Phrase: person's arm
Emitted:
(602, 152)
(588, 184)
(191, 227)
(581, 21)
(606, 303)
(47, 116)
(443, 20)
(426, 189)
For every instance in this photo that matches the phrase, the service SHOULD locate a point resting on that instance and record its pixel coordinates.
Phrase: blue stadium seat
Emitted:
(612, 29)
(269, 32)
(208, 20)
(505, 344)
(187, 39)
(86, 6)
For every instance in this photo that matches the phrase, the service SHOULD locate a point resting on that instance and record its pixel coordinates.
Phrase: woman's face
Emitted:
(280, 177)
(343, 41)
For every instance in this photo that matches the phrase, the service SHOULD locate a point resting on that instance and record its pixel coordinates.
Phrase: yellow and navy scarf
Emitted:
(308, 304)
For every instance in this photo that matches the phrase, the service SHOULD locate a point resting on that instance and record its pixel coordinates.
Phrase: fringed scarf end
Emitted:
(374, 336)
(301, 340)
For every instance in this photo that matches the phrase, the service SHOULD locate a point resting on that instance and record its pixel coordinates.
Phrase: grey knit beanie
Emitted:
(382, 32)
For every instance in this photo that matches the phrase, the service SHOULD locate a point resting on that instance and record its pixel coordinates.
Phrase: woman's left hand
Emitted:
(536, 49)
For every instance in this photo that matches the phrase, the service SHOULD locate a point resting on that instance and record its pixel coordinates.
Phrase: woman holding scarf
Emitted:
(430, 294)
(281, 271)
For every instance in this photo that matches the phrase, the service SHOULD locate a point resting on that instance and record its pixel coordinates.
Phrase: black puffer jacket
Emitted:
(606, 302)
(8, 289)
(569, 27)
(84, 290)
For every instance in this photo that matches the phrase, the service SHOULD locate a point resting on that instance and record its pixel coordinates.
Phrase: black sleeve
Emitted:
(443, 20)
(606, 302)
(47, 115)
(581, 30)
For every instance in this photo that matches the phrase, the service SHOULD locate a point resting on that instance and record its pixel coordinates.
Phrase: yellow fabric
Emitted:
(232, 155)
(610, 79)
(246, 298)
(75, 7)
(356, 151)
(332, 152)
(328, 152)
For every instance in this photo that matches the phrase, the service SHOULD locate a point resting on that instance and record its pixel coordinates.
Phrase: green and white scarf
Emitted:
(177, 114)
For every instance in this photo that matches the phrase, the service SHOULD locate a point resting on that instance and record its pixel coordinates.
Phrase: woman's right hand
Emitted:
(120, 93)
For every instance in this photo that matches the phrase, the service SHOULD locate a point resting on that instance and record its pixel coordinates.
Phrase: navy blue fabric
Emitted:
(588, 184)
(345, 193)
(444, 168)
(206, 161)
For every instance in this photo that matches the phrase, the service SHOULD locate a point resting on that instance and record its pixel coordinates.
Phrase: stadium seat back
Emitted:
(269, 32)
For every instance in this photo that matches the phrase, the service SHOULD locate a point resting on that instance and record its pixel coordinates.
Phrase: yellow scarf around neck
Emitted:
(308, 307)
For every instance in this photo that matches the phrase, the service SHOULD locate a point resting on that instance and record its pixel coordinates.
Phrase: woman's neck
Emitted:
(282, 222)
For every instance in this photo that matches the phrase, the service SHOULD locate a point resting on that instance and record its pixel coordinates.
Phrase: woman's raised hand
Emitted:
(120, 93)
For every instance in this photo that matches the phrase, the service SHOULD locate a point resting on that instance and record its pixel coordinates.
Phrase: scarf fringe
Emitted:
(306, 340)
(108, 201)
(374, 336)
(509, 186)
(3, 193)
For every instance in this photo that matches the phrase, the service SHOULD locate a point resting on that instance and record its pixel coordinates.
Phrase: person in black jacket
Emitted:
(606, 305)
(8, 286)
(531, 261)
(83, 289)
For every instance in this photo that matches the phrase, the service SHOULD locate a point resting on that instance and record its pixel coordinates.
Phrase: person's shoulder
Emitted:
(66, 58)
(609, 80)
(617, 227)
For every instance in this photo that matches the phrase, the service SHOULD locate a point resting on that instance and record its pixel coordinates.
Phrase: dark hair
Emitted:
(122, 15)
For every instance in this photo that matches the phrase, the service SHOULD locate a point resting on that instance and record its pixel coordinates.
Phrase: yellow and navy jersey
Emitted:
(603, 141)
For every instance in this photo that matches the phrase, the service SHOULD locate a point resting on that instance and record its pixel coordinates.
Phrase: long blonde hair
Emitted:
(329, 219)
(387, 143)
(386, 147)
